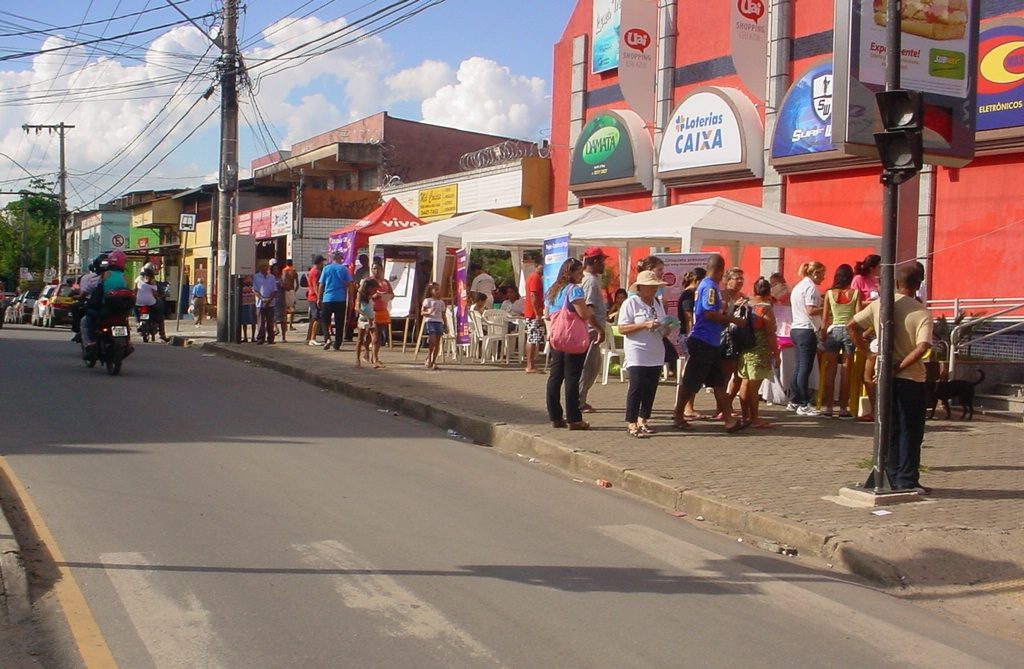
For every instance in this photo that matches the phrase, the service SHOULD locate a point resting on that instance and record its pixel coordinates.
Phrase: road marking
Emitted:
(92, 646)
(404, 613)
(176, 635)
(901, 646)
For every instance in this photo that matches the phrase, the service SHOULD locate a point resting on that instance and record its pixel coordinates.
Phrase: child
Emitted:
(366, 339)
(433, 309)
(248, 316)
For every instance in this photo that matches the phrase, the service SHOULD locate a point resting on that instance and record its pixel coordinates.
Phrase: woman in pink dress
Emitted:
(865, 280)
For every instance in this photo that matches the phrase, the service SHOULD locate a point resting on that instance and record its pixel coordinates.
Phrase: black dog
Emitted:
(960, 390)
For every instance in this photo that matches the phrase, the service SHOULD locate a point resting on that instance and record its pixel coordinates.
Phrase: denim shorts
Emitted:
(838, 339)
(435, 328)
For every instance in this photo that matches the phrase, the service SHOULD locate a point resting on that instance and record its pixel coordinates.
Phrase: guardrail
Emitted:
(1010, 310)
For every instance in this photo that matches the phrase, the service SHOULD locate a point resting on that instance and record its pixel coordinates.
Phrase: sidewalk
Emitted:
(963, 544)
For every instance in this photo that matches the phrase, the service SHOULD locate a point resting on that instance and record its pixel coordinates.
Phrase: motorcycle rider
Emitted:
(86, 285)
(147, 294)
(111, 270)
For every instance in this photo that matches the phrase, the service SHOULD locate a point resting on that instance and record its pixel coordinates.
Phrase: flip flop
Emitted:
(736, 426)
(762, 425)
(695, 416)
(686, 427)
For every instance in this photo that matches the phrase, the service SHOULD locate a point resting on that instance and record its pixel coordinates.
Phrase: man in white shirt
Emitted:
(482, 283)
(514, 304)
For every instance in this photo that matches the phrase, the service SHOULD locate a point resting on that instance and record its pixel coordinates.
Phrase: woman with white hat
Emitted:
(641, 322)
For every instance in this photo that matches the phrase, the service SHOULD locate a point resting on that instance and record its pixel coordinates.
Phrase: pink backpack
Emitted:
(568, 332)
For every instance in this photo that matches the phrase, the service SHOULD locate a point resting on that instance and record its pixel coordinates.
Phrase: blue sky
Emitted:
(482, 65)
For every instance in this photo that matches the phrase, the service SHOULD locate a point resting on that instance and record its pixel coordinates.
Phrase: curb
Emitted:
(15, 604)
(518, 439)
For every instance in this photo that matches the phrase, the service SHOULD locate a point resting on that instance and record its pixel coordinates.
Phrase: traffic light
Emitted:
(901, 144)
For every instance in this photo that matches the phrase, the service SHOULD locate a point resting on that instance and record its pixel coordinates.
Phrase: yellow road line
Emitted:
(92, 646)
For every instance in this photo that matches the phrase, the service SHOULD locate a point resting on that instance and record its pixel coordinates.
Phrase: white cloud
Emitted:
(111, 100)
(489, 98)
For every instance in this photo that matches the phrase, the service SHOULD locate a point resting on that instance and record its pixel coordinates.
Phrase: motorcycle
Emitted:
(148, 328)
(113, 340)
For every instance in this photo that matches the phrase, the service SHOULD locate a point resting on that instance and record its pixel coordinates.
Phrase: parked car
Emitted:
(53, 306)
(21, 307)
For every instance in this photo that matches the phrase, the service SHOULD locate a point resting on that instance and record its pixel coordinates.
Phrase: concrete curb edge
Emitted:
(518, 439)
(15, 604)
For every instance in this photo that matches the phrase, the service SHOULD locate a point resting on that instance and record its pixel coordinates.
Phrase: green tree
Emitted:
(29, 230)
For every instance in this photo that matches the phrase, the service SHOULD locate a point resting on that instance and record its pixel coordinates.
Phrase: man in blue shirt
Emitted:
(332, 293)
(199, 301)
(704, 348)
(264, 285)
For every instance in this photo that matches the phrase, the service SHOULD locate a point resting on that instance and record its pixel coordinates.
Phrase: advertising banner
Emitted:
(613, 152)
(556, 252)
(244, 225)
(281, 220)
(710, 136)
(804, 125)
(676, 266)
(462, 296)
(938, 57)
(638, 62)
(439, 202)
(346, 243)
(261, 222)
(1001, 75)
(605, 35)
(748, 38)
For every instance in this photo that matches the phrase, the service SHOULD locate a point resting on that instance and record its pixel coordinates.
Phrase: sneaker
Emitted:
(808, 411)
(313, 342)
(327, 346)
(792, 407)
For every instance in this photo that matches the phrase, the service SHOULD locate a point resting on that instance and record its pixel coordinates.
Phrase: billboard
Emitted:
(614, 153)
(938, 57)
(605, 35)
(1001, 76)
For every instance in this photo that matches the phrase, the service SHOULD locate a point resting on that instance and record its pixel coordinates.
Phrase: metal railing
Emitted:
(959, 307)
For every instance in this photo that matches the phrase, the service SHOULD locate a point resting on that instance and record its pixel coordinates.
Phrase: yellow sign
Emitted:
(439, 202)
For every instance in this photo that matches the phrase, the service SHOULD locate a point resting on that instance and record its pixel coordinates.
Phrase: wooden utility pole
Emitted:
(62, 242)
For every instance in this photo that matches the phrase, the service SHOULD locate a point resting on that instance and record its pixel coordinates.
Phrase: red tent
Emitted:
(388, 217)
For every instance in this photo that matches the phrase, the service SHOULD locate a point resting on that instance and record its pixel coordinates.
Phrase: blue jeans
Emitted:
(903, 461)
(805, 342)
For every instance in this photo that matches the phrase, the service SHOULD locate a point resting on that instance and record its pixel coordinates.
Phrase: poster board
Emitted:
(401, 274)
(676, 266)
(462, 296)
(556, 252)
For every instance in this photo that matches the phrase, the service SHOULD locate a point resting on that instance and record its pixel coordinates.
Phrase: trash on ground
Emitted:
(532, 460)
(881, 512)
(520, 455)
(576, 480)
(678, 514)
(740, 540)
(454, 434)
(700, 518)
(788, 550)
(603, 483)
(383, 411)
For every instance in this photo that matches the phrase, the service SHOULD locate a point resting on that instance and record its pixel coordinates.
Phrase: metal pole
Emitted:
(878, 480)
(228, 164)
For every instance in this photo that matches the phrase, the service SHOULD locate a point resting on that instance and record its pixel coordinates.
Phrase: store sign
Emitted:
(938, 56)
(804, 125)
(605, 35)
(709, 136)
(614, 153)
(281, 220)
(638, 62)
(439, 202)
(244, 224)
(1001, 75)
(748, 38)
(261, 224)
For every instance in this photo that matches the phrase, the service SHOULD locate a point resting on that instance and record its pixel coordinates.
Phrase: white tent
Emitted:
(439, 235)
(717, 221)
(530, 233)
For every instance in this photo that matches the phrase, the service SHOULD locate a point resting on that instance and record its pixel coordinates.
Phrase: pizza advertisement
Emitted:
(936, 44)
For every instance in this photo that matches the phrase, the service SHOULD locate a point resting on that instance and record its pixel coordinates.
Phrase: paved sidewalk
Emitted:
(965, 541)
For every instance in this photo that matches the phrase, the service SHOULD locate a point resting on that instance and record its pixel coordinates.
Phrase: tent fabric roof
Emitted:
(388, 217)
(440, 233)
(717, 221)
(530, 233)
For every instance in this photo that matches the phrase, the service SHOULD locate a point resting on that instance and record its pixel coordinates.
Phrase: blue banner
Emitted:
(805, 121)
(556, 252)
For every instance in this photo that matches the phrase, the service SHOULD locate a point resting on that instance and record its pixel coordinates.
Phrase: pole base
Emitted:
(869, 498)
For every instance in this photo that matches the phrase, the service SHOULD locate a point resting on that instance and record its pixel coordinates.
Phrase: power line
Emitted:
(52, 28)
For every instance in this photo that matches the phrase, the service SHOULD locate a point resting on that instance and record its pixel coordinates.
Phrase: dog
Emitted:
(959, 389)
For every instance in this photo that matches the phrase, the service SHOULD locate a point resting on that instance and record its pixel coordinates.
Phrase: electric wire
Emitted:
(52, 28)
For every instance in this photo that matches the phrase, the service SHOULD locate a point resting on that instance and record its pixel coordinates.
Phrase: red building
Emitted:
(966, 224)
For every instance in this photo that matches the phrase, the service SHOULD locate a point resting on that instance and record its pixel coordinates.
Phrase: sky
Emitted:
(137, 103)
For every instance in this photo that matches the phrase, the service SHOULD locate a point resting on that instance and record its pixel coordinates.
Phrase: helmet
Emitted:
(94, 266)
(117, 259)
(147, 272)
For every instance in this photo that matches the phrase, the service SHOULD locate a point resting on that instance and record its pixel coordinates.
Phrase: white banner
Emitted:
(638, 56)
(748, 37)
(676, 266)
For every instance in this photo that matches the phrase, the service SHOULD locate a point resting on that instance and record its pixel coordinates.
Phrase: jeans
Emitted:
(903, 460)
(265, 317)
(805, 344)
(643, 385)
(334, 310)
(567, 367)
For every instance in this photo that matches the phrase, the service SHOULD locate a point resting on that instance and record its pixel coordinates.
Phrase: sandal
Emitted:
(682, 426)
(559, 423)
(845, 414)
(637, 432)
(694, 416)
(647, 429)
(579, 425)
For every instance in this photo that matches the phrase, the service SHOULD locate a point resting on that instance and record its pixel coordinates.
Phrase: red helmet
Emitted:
(117, 260)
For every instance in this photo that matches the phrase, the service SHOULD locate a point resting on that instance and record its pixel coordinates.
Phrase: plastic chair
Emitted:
(609, 352)
(496, 324)
(450, 339)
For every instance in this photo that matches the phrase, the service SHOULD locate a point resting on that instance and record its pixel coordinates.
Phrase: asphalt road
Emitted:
(217, 515)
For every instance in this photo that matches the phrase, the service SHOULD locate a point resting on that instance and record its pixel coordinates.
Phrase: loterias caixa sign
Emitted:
(613, 154)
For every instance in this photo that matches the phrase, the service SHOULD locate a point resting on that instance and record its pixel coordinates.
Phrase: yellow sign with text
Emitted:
(439, 202)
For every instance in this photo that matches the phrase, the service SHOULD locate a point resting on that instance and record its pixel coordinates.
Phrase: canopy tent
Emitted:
(388, 217)
(716, 221)
(439, 235)
(530, 233)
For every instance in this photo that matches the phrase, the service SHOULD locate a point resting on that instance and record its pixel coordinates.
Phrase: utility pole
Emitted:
(62, 252)
(228, 182)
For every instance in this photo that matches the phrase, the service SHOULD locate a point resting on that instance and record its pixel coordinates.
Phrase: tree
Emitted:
(29, 230)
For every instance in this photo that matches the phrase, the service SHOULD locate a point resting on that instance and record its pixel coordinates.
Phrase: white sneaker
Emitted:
(313, 342)
(807, 411)
(792, 407)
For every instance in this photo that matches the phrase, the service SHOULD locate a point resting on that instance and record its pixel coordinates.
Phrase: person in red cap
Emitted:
(593, 270)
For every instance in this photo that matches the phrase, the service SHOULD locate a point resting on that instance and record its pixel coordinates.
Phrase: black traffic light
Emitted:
(901, 144)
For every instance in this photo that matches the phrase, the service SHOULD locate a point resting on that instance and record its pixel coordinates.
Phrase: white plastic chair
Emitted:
(450, 339)
(610, 352)
(496, 333)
